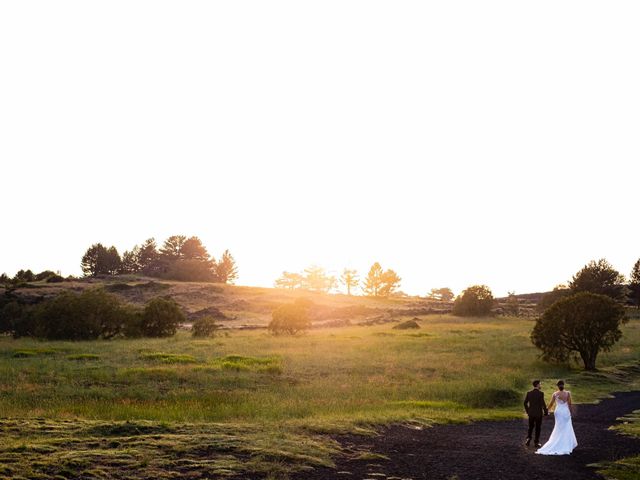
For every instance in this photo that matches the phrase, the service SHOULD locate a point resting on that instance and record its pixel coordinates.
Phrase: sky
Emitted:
(455, 142)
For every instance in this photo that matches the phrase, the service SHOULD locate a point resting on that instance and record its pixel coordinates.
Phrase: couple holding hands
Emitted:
(562, 440)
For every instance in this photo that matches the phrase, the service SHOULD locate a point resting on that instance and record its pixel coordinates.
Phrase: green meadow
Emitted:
(250, 402)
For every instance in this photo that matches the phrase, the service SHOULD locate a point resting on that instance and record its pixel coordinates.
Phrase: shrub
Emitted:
(92, 314)
(290, 319)
(161, 317)
(204, 327)
(55, 279)
(474, 301)
(584, 323)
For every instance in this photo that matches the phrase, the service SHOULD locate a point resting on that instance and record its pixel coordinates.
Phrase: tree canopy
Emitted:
(476, 300)
(599, 277)
(584, 323)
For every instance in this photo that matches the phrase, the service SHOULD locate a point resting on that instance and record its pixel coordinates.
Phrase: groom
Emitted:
(535, 406)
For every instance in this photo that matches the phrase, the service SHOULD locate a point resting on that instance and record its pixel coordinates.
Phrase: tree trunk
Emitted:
(589, 361)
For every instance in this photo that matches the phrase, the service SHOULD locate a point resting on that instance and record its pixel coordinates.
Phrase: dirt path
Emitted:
(488, 450)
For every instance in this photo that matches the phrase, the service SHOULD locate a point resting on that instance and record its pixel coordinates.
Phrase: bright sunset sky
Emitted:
(456, 142)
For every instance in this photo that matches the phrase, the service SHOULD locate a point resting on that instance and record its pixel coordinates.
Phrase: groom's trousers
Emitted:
(537, 423)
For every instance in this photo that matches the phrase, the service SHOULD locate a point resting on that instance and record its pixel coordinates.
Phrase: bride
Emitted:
(562, 440)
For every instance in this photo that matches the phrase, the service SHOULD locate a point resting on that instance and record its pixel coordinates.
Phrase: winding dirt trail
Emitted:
(488, 450)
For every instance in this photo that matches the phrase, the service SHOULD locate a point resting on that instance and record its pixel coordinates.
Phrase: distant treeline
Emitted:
(179, 258)
(377, 283)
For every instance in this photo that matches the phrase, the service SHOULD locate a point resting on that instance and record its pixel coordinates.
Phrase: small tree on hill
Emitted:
(584, 323)
(290, 318)
(599, 277)
(289, 280)
(373, 280)
(444, 294)
(172, 247)
(634, 285)
(193, 249)
(476, 300)
(349, 279)
(226, 269)
(317, 280)
(99, 260)
(390, 283)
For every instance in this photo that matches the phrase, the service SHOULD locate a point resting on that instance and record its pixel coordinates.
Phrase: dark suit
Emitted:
(535, 407)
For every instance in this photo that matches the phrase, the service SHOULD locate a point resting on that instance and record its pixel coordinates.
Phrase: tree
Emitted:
(24, 276)
(443, 294)
(634, 285)
(226, 269)
(584, 323)
(289, 281)
(317, 280)
(511, 306)
(373, 281)
(390, 283)
(599, 277)
(99, 260)
(476, 300)
(161, 317)
(172, 247)
(349, 279)
(148, 256)
(131, 261)
(193, 249)
(290, 318)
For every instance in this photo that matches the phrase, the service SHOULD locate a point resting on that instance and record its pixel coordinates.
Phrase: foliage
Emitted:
(634, 284)
(476, 300)
(92, 314)
(511, 306)
(226, 269)
(349, 279)
(99, 260)
(190, 270)
(172, 247)
(583, 323)
(549, 298)
(599, 277)
(290, 281)
(443, 294)
(290, 318)
(380, 283)
(161, 317)
(373, 280)
(204, 327)
(317, 280)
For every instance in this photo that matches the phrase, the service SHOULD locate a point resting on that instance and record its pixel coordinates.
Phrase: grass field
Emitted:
(251, 402)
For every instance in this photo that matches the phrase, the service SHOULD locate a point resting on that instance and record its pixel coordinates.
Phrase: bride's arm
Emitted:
(569, 398)
(552, 402)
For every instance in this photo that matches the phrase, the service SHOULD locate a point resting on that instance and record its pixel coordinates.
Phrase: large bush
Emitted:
(161, 317)
(290, 318)
(583, 324)
(474, 301)
(92, 314)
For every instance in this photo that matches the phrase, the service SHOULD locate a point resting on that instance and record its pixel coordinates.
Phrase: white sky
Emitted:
(457, 142)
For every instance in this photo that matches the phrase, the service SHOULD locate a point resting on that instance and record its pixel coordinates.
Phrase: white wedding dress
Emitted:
(562, 440)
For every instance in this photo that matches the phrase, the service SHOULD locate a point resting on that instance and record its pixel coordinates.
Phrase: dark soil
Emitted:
(487, 450)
